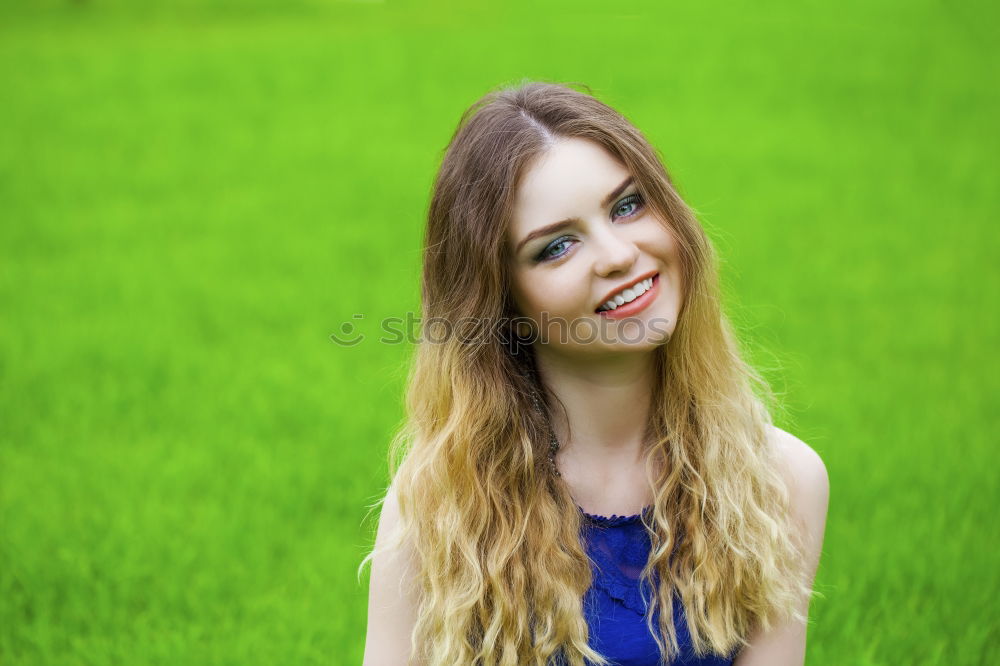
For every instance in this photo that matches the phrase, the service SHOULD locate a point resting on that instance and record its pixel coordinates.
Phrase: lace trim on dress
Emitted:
(612, 549)
(613, 520)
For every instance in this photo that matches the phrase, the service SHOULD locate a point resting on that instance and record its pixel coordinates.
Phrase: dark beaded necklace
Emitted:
(553, 441)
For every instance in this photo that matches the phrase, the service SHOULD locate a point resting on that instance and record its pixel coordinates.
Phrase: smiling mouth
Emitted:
(636, 305)
(629, 296)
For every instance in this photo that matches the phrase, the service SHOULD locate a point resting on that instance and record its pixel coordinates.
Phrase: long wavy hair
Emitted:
(501, 570)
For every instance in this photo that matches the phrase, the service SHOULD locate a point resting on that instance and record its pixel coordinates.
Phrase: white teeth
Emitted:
(629, 295)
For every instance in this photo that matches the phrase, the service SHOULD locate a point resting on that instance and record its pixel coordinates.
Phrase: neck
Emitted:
(606, 403)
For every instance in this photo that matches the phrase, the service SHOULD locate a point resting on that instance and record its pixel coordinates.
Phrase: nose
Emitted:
(615, 254)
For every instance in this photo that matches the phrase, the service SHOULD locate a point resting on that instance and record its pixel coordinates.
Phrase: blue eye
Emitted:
(548, 253)
(630, 205)
(626, 207)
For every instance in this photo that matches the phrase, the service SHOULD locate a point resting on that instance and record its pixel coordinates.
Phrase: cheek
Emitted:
(534, 300)
(524, 296)
(537, 295)
(668, 250)
(669, 245)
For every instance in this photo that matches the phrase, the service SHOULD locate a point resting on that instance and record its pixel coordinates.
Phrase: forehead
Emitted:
(569, 180)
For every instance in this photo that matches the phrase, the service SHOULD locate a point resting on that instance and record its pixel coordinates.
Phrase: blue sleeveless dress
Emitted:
(614, 606)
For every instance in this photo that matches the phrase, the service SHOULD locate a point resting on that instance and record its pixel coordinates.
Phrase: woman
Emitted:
(587, 474)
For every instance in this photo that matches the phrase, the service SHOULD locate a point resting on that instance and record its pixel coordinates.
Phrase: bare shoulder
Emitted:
(809, 487)
(392, 599)
(804, 469)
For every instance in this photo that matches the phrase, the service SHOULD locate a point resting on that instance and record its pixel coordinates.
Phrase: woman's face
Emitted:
(583, 239)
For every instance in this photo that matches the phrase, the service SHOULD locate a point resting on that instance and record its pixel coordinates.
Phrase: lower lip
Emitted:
(636, 306)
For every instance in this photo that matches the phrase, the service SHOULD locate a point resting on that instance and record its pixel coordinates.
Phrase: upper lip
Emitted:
(630, 283)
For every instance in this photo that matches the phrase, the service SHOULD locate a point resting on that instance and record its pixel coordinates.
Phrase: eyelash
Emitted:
(630, 199)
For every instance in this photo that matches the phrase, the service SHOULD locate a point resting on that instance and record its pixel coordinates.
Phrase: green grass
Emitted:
(194, 197)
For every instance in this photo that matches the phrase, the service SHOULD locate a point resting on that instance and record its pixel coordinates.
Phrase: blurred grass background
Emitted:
(195, 196)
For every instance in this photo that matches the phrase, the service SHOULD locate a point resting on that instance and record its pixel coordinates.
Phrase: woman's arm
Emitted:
(785, 644)
(391, 599)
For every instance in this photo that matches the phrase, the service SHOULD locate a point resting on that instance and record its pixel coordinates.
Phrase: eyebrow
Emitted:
(556, 226)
